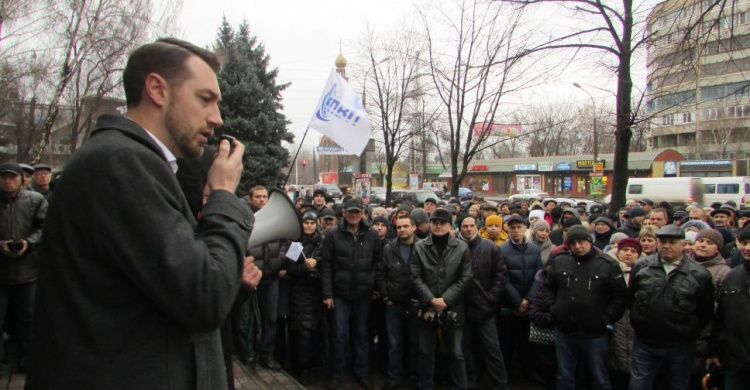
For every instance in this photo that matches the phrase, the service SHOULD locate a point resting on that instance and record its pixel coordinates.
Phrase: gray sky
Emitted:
(303, 39)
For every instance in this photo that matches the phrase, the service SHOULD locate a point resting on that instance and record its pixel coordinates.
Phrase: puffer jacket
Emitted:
(621, 342)
(670, 310)
(588, 292)
(446, 276)
(394, 273)
(730, 339)
(21, 217)
(304, 284)
(522, 261)
(499, 240)
(487, 285)
(349, 262)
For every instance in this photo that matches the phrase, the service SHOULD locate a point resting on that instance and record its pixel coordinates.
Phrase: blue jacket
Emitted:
(522, 261)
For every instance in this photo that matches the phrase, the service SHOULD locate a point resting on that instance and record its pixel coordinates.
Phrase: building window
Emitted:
(711, 114)
(684, 117)
(738, 111)
(667, 119)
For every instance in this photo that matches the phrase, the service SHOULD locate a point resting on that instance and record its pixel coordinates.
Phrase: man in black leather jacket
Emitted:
(672, 301)
(440, 273)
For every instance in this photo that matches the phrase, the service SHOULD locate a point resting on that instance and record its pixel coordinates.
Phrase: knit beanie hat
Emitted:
(570, 222)
(536, 213)
(380, 219)
(493, 220)
(310, 216)
(606, 221)
(726, 234)
(630, 243)
(379, 211)
(712, 235)
(578, 232)
(539, 225)
(556, 213)
(744, 234)
(461, 217)
(419, 216)
(691, 236)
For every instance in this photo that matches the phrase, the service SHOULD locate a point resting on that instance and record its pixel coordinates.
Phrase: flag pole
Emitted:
(294, 160)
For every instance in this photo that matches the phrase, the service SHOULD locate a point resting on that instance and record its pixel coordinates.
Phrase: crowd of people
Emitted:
(552, 293)
(139, 276)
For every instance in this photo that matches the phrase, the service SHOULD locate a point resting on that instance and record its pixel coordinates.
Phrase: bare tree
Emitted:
(394, 66)
(484, 64)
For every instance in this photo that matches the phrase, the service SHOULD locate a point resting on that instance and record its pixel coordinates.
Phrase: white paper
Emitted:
(294, 251)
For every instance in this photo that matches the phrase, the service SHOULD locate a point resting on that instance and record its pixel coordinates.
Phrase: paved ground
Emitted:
(257, 379)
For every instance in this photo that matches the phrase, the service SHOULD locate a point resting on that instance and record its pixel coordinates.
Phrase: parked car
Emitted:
(331, 190)
(530, 194)
(463, 194)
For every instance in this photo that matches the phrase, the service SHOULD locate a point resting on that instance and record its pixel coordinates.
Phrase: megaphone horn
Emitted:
(278, 219)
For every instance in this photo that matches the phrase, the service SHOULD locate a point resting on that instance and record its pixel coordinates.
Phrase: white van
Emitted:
(722, 189)
(674, 190)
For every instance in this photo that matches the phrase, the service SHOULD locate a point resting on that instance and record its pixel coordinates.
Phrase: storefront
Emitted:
(706, 168)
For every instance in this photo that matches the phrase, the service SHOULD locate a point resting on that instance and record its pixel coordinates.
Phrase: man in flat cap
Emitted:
(28, 172)
(672, 301)
(41, 178)
(22, 213)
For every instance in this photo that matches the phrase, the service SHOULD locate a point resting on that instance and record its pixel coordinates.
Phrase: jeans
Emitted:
(344, 311)
(647, 360)
(19, 300)
(400, 327)
(594, 351)
(268, 301)
(483, 334)
(452, 343)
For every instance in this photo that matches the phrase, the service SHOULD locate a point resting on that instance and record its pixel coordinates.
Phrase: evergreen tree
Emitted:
(251, 107)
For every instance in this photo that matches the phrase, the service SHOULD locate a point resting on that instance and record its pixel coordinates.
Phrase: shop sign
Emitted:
(702, 163)
(563, 166)
(546, 167)
(478, 168)
(525, 167)
(588, 164)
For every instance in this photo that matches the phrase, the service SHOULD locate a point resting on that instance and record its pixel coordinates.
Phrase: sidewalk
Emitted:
(244, 379)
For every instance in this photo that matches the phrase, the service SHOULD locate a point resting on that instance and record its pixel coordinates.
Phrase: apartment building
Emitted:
(698, 93)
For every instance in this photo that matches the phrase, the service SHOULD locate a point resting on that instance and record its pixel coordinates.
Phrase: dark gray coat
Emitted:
(133, 290)
(21, 218)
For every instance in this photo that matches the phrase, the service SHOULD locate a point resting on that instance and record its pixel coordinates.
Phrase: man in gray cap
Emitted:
(28, 172)
(440, 273)
(41, 179)
(22, 213)
(672, 301)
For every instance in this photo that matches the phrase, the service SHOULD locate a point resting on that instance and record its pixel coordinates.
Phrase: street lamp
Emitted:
(593, 102)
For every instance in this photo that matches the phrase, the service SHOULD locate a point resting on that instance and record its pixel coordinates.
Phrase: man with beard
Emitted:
(440, 273)
(133, 290)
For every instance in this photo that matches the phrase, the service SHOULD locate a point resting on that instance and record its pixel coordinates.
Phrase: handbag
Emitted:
(541, 336)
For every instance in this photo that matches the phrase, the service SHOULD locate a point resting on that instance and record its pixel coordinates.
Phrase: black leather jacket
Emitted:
(394, 276)
(670, 310)
(446, 276)
(487, 285)
(730, 339)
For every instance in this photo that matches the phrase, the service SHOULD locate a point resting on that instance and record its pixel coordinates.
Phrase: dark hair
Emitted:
(167, 58)
(409, 217)
(250, 192)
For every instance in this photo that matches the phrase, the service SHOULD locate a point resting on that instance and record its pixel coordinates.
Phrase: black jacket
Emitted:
(586, 293)
(446, 276)
(394, 276)
(730, 339)
(629, 229)
(487, 285)
(269, 258)
(349, 262)
(21, 217)
(670, 310)
(305, 296)
(522, 261)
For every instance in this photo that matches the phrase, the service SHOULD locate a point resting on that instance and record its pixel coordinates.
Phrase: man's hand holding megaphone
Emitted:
(251, 274)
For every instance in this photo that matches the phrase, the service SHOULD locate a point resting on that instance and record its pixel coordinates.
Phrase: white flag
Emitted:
(341, 116)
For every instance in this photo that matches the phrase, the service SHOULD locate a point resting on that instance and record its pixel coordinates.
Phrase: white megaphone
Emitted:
(276, 220)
